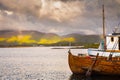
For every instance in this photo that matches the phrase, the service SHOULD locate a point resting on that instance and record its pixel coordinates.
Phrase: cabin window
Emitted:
(112, 39)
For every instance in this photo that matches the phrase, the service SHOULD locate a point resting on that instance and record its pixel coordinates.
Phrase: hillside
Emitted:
(85, 38)
(32, 38)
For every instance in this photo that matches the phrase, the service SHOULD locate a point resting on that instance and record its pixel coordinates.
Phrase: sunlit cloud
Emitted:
(118, 1)
(88, 32)
(60, 11)
(53, 30)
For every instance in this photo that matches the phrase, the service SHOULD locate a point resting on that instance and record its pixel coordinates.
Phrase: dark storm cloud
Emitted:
(3, 7)
(24, 6)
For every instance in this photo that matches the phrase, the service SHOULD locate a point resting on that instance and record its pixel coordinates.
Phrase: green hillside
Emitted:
(35, 38)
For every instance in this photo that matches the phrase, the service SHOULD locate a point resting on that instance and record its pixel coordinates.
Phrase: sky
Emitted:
(59, 16)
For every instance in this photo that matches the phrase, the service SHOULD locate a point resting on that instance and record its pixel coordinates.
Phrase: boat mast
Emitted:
(104, 36)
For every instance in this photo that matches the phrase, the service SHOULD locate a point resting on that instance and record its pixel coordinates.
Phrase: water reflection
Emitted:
(83, 77)
(77, 77)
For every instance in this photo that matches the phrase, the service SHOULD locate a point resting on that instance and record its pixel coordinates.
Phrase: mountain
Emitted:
(85, 38)
(35, 34)
(31, 37)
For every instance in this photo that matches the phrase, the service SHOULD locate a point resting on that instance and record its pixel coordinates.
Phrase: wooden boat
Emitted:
(106, 63)
(103, 65)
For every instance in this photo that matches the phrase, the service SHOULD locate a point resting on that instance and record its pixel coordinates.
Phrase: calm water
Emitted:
(39, 63)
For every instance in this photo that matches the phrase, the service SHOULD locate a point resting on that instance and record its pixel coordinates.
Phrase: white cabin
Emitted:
(112, 46)
(113, 41)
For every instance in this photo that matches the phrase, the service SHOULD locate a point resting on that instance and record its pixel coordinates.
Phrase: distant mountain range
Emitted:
(11, 37)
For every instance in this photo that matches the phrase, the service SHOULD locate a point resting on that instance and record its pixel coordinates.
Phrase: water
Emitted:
(39, 63)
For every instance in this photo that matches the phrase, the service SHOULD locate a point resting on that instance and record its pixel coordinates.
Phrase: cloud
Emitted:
(52, 9)
(58, 16)
(118, 1)
(60, 11)
(21, 6)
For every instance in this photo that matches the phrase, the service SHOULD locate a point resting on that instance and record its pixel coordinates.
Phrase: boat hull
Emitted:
(80, 65)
